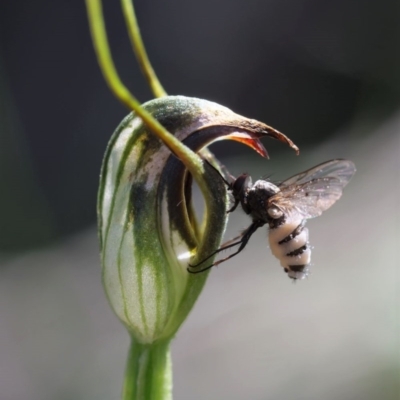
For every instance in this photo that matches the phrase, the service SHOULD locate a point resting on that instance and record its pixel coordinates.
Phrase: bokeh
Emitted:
(324, 73)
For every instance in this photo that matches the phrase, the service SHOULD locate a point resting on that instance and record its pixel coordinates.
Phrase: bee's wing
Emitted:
(341, 169)
(315, 190)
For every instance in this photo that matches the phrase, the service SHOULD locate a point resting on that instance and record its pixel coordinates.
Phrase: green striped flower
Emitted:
(147, 227)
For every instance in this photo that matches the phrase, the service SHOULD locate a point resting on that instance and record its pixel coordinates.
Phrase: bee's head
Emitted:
(239, 189)
(241, 184)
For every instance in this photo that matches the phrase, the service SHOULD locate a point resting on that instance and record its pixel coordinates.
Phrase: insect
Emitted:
(285, 207)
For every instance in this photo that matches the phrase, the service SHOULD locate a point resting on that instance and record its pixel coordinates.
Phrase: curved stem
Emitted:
(191, 160)
(140, 50)
(148, 373)
(100, 43)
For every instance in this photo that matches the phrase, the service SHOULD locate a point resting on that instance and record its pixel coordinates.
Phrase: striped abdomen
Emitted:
(289, 243)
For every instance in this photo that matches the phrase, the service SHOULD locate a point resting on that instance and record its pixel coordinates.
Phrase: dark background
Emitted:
(307, 67)
(326, 73)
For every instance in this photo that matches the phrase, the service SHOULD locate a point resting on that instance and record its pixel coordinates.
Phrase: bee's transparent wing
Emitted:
(341, 169)
(315, 190)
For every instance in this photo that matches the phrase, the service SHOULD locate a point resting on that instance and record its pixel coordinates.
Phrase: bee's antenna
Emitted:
(228, 184)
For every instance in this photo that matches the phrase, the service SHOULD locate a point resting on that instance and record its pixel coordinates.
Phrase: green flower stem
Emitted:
(148, 374)
(139, 49)
(190, 159)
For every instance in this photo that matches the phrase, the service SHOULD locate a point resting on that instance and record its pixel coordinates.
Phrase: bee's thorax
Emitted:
(257, 199)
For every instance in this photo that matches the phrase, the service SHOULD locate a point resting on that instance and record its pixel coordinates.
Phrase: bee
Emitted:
(285, 207)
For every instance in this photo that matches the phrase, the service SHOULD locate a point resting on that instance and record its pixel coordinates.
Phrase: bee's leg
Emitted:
(231, 243)
(244, 238)
(233, 208)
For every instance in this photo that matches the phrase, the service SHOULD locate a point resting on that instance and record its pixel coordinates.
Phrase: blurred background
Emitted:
(324, 73)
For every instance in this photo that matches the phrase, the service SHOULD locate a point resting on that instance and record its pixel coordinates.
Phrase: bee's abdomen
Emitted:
(289, 243)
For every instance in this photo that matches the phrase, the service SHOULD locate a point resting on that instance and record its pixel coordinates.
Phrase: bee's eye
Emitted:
(274, 212)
